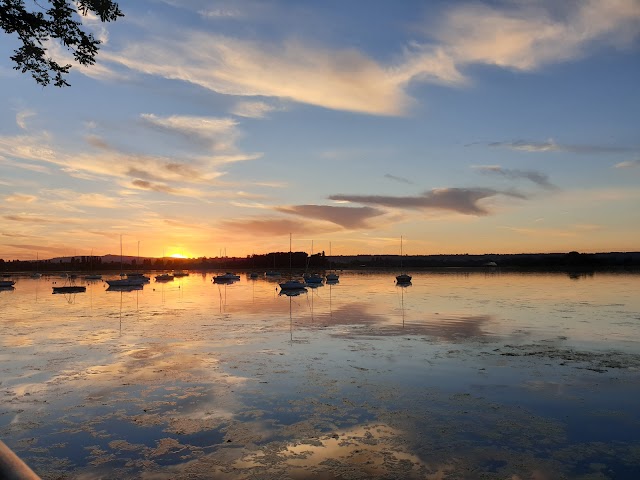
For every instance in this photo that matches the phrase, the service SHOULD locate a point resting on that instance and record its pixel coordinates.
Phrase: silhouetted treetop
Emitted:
(56, 20)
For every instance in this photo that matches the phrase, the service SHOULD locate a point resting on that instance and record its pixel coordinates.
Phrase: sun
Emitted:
(178, 255)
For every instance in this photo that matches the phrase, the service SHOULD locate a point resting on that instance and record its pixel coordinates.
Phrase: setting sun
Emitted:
(177, 255)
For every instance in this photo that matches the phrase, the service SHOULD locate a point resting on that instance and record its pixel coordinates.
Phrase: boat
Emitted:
(70, 289)
(7, 283)
(332, 276)
(312, 278)
(129, 280)
(138, 276)
(226, 278)
(164, 277)
(254, 275)
(273, 273)
(292, 284)
(180, 273)
(403, 278)
(292, 292)
(124, 288)
(93, 276)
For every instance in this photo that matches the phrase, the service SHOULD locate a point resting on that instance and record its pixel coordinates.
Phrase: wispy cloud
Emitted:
(347, 217)
(538, 178)
(461, 200)
(28, 218)
(528, 35)
(398, 179)
(20, 198)
(552, 146)
(219, 134)
(516, 35)
(336, 79)
(22, 116)
(628, 164)
(252, 109)
(269, 226)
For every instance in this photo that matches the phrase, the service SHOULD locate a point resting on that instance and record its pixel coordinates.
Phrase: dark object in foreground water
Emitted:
(69, 289)
(11, 467)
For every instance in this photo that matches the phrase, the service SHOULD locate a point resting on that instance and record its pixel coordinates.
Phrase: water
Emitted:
(460, 375)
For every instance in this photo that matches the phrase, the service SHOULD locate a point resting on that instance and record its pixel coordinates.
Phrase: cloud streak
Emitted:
(552, 146)
(398, 179)
(268, 226)
(461, 200)
(515, 35)
(538, 178)
(628, 164)
(347, 217)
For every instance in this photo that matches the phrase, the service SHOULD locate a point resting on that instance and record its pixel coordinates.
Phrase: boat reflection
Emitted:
(124, 288)
(294, 292)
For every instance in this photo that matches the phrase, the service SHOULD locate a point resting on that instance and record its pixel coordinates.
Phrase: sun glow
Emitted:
(177, 255)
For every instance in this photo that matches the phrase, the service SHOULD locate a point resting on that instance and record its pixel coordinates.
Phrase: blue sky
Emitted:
(466, 127)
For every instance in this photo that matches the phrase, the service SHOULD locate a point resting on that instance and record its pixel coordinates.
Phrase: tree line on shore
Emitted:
(281, 261)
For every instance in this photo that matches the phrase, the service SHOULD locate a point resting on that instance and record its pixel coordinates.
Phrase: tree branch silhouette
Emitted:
(57, 21)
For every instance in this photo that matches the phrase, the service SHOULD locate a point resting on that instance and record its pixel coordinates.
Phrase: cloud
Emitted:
(398, 179)
(252, 109)
(527, 36)
(218, 13)
(336, 79)
(551, 146)
(268, 226)
(38, 219)
(515, 35)
(219, 134)
(347, 217)
(628, 164)
(156, 187)
(461, 200)
(20, 198)
(22, 116)
(538, 178)
(104, 161)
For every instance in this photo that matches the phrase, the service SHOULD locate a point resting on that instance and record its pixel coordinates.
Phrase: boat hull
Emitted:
(70, 289)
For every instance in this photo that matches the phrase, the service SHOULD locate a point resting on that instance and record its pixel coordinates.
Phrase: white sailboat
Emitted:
(37, 274)
(126, 281)
(291, 284)
(92, 275)
(332, 277)
(403, 277)
(312, 278)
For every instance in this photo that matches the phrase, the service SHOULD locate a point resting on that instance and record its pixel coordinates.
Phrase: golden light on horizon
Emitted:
(178, 255)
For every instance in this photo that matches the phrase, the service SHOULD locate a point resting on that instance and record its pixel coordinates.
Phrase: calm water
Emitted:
(461, 375)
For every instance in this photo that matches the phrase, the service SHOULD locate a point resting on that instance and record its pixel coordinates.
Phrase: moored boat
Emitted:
(70, 289)
(226, 278)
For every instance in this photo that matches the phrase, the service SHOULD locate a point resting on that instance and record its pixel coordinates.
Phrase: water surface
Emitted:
(460, 375)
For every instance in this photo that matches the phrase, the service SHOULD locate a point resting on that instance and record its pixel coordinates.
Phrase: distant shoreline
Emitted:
(301, 261)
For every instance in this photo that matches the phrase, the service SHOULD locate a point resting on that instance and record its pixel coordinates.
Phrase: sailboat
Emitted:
(292, 284)
(164, 277)
(37, 274)
(138, 275)
(312, 278)
(93, 276)
(332, 277)
(273, 273)
(127, 281)
(403, 277)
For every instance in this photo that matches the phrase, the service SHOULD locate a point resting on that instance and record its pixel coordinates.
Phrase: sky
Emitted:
(222, 127)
